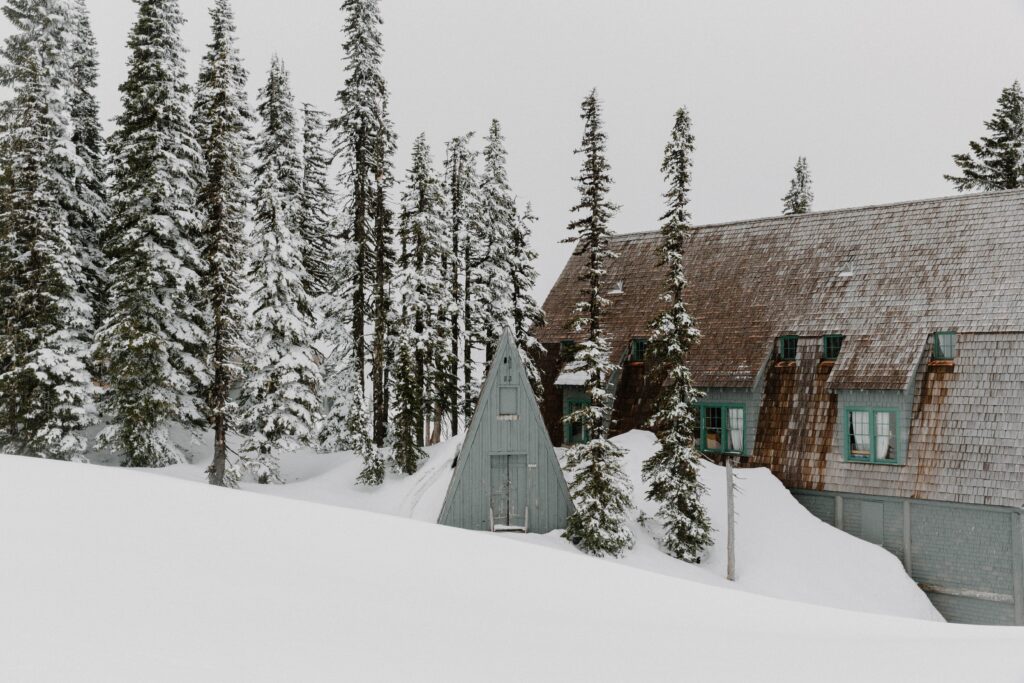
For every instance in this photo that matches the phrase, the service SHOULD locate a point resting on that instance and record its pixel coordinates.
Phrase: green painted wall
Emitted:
(968, 558)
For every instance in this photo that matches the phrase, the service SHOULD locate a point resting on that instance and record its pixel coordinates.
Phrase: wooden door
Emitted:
(517, 490)
(499, 489)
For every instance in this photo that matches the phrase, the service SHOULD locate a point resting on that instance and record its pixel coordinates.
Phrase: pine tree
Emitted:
(45, 388)
(221, 118)
(672, 473)
(598, 484)
(152, 340)
(526, 314)
(420, 294)
(457, 158)
(996, 162)
(91, 212)
(315, 222)
(280, 395)
(365, 142)
(497, 224)
(800, 195)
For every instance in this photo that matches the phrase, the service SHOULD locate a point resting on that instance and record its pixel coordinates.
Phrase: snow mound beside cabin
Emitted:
(116, 575)
(782, 550)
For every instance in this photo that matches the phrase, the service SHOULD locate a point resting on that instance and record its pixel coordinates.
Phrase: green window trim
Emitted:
(831, 346)
(637, 350)
(944, 345)
(574, 432)
(725, 416)
(787, 346)
(870, 432)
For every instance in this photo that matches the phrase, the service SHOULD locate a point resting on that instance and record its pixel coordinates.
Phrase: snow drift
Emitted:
(116, 575)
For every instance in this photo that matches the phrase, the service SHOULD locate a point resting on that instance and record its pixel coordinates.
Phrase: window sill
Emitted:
(937, 363)
(785, 363)
(869, 461)
(826, 363)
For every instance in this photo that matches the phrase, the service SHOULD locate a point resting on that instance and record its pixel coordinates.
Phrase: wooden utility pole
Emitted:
(731, 512)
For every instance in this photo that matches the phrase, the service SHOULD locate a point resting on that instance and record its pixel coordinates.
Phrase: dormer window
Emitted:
(787, 347)
(831, 345)
(944, 346)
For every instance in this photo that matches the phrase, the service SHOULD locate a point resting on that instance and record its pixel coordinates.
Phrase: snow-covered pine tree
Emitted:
(382, 238)
(996, 162)
(221, 118)
(91, 212)
(316, 202)
(526, 314)
(672, 473)
(420, 303)
(465, 271)
(280, 394)
(364, 143)
(45, 388)
(598, 484)
(800, 195)
(153, 340)
(497, 224)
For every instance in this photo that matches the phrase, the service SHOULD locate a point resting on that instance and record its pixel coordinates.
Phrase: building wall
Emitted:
(969, 559)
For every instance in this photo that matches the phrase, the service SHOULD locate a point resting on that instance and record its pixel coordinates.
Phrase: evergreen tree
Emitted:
(221, 118)
(152, 340)
(996, 162)
(280, 395)
(526, 314)
(45, 388)
(420, 296)
(364, 143)
(672, 473)
(800, 195)
(497, 224)
(315, 222)
(90, 213)
(598, 484)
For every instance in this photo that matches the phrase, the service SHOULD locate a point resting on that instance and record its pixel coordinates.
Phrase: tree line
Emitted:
(201, 268)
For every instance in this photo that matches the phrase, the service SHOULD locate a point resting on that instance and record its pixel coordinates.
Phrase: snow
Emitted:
(571, 379)
(782, 550)
(120, 575)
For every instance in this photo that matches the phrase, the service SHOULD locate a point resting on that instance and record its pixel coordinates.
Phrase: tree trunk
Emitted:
(220, 449)
(730, 572)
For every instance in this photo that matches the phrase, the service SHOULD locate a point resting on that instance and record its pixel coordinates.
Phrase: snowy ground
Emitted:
(782, 550)
(118, 575)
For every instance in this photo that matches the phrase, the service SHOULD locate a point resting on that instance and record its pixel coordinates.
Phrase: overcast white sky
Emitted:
(877, 94)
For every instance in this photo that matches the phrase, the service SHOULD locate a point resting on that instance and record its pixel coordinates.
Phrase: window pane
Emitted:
(713, 428)
(736, 430)
(944, 343)
(860, 433)
(833, 344)
(884, 440)
(787, 348)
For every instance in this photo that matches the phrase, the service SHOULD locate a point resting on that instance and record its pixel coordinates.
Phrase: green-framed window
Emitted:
(871, 435)
(944, 346)
(722, 428)
(831, 345)
(787, 347)
(573, 431)
(566, 349)
(638, 350)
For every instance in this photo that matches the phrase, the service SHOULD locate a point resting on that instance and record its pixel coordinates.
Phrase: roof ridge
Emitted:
(967, 196)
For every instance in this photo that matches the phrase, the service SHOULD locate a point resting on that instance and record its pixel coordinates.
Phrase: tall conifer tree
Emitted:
(801, 195)
(152, 340)
(364, 143)
(497, 224)
(598, 484)
(672, 473)
(996, 162)
(221, 119)
(280, 396)
(45, 393)
(526, 314)
(316, 202)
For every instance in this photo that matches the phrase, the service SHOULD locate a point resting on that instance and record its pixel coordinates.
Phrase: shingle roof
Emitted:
(884, 276)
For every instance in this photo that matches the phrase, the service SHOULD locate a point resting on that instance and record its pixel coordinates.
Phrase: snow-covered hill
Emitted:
(117, 575)
(782, 550)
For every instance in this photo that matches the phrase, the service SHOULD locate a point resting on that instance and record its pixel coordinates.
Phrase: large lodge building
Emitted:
(872, 358)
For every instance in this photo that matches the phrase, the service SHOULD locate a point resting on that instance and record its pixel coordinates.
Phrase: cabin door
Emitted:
(508, 490)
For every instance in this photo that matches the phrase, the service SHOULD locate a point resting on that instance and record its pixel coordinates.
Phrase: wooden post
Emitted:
(730, 504)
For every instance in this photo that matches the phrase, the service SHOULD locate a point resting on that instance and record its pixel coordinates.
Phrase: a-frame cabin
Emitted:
(507, 476)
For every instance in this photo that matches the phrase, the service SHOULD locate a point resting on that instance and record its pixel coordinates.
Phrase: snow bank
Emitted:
(117, 575)
(782, 550)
